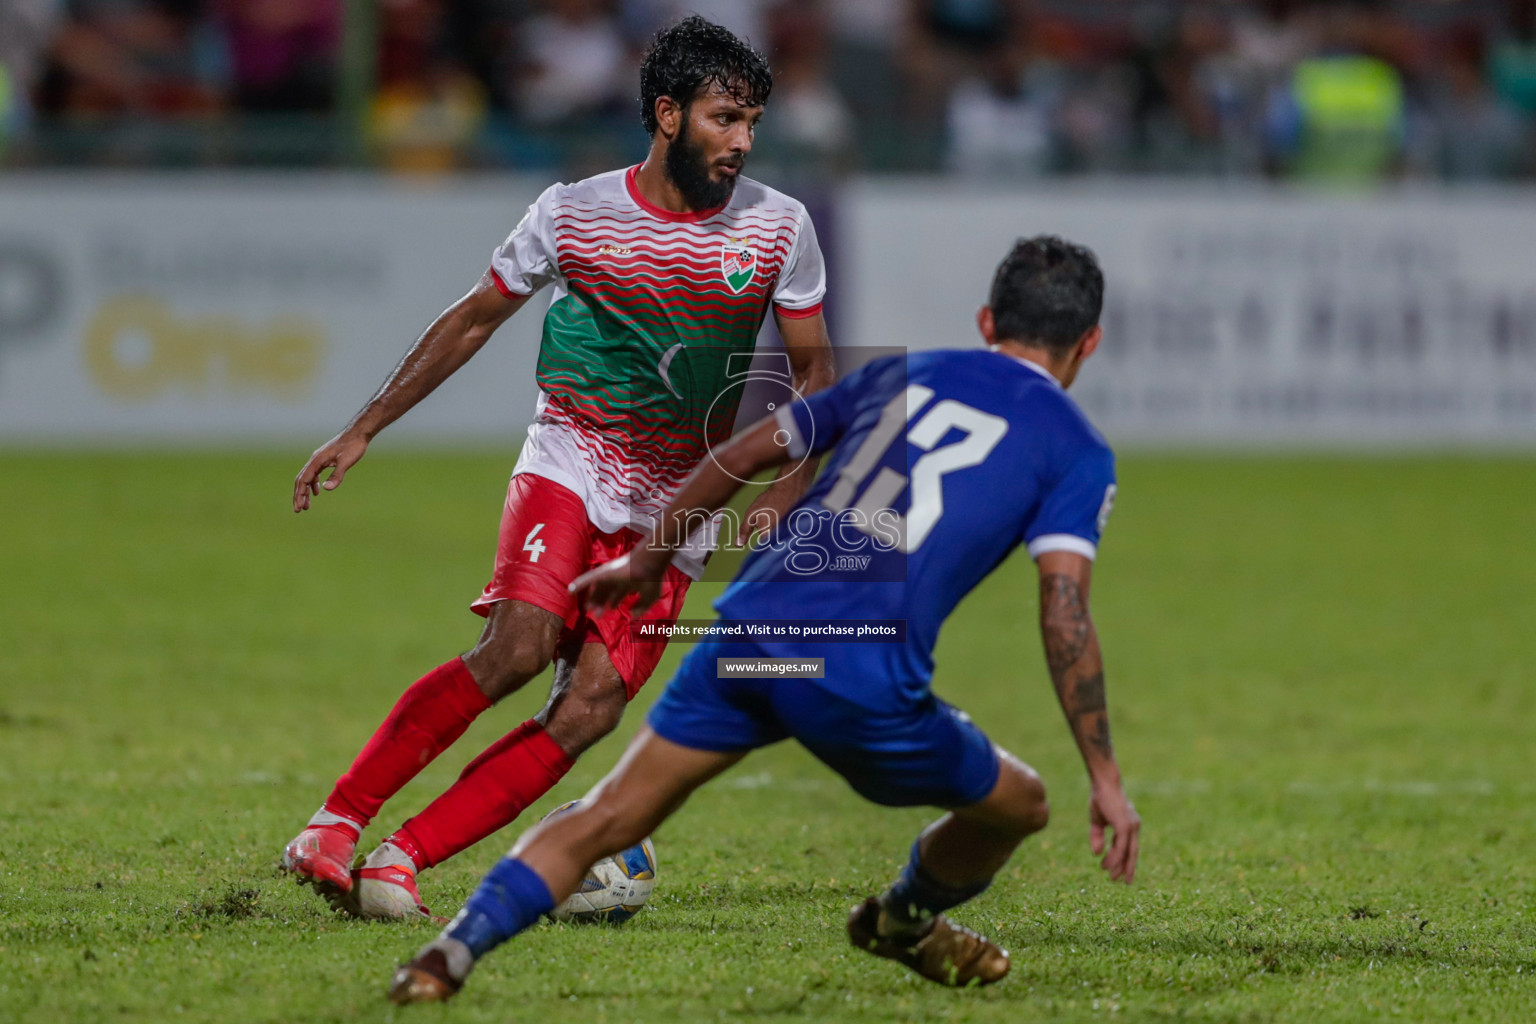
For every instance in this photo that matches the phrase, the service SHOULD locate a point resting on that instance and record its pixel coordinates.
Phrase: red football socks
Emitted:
(494, 789)
(424, 722)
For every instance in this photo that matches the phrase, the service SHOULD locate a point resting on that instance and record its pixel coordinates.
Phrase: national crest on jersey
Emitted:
(738, 262)
(649, 307)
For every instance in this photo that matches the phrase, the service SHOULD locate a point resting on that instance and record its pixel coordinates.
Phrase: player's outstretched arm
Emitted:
(446, 345)
(1077, 671)
(713, 483)
(809, 348)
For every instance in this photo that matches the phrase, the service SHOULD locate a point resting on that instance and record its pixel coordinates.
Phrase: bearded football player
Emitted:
(661, 273)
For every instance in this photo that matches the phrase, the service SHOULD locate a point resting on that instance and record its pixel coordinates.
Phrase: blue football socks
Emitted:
(915, 897)
(510, 898)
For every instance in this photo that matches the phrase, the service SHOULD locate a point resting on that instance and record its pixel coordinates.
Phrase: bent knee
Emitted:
(579, 720)
(500, 668)
(1028, 810)
(1036, 810)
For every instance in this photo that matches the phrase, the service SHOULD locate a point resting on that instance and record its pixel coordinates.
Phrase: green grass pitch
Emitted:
(1320, 676)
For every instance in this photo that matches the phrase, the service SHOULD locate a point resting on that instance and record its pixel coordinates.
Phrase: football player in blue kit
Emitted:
(942, 463)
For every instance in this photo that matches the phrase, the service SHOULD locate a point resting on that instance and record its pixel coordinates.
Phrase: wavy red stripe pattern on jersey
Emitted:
(657, 273)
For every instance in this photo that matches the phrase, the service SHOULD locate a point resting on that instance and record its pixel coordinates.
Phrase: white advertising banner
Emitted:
(243, 308)
(253, 308)
(1244, 316)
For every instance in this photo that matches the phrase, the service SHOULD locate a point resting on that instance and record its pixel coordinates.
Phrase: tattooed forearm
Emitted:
(1088, 695)
(1077, 669)
(1098, 736)
(1083, 703)
(1064, 621)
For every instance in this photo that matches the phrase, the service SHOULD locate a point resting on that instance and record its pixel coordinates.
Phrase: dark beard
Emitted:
(688, 172)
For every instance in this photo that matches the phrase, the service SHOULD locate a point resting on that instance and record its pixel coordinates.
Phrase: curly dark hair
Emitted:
(695, 54)
(1047, 292)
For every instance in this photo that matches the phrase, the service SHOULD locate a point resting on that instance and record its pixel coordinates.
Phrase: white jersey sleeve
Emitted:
(802, 283)
(526, 261)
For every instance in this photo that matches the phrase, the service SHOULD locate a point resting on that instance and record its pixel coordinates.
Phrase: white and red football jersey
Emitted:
(634, 370)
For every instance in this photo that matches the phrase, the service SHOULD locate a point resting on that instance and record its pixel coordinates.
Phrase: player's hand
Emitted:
(339, 454)
(1109, 808)
(767, 510)
(610, 583)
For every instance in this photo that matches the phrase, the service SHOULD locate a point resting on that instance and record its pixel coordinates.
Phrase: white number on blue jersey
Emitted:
(982, 432)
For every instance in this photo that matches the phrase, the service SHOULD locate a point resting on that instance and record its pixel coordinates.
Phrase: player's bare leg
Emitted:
(546, 865)
(953, 861)
(585, 703)
(516, 644)
(648, 785)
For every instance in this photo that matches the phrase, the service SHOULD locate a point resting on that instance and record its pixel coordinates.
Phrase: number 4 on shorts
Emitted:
(536, 547)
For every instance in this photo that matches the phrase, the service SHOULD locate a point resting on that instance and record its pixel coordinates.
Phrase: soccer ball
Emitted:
(615, 887)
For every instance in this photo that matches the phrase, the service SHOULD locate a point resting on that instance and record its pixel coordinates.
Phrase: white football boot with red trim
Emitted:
(384, 889)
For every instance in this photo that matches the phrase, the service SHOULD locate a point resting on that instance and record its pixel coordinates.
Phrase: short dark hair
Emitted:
(1047, 292)
(696, 53)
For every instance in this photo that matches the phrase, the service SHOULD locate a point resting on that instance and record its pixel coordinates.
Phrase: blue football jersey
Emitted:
(944, 462)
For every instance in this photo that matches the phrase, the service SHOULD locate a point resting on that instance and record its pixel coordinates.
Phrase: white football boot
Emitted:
(384, 889)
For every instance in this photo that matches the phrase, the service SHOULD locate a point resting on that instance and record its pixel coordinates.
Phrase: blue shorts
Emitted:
(928, 754)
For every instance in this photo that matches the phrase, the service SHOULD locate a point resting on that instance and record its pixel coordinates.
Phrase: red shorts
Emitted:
(546, 542)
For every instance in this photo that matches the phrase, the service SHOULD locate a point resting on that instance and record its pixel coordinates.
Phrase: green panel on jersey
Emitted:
(660, 383)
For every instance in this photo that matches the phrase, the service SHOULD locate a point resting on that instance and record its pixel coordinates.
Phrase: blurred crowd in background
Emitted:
(1349, 92)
